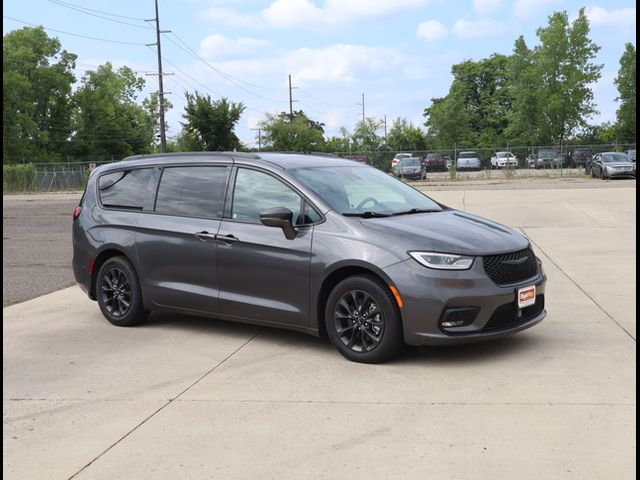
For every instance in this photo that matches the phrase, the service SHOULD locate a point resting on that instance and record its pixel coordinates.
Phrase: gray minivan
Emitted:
(316, 244)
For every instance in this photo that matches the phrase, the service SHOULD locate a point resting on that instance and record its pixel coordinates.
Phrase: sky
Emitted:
(398, 53)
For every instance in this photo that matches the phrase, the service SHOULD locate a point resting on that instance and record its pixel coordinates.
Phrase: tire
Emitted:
(123, 308)
(374, 341)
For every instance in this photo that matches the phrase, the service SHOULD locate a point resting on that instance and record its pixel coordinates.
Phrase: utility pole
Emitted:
(385, 129)
(259, 136)
(363, 108)
(291, 100)
(161, 93)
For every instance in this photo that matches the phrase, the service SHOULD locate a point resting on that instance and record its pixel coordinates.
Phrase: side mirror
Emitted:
(279, 217)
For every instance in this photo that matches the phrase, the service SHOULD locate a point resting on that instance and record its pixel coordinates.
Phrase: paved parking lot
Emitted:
(183, 397)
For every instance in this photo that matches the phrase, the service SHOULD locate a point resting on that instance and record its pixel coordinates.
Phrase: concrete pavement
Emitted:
(183, 397)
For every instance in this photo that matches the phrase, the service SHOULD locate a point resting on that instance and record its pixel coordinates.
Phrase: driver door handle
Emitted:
(204, 236)
(228, 239)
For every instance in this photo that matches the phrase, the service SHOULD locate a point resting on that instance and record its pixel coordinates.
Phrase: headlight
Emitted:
(607, 167)
(443, 261)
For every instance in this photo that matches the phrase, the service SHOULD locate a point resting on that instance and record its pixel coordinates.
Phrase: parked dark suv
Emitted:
(317, 244)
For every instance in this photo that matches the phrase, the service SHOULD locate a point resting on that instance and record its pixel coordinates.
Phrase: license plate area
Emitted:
(526, 296)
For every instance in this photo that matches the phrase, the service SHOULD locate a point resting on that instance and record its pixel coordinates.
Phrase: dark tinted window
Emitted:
(256, 191)
(192, 191)
(125, 189)
(468, 155)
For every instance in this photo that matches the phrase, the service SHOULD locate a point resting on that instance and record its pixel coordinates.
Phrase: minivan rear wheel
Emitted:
(363, 321)
(118, 293)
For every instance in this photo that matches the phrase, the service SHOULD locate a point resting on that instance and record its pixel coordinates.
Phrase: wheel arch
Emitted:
(102, 257)
(336, 275)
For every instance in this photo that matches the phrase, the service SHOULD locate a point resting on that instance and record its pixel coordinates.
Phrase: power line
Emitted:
(96, 11)
(72, 34)
(82, 10)
(224, 75)
(322, 101)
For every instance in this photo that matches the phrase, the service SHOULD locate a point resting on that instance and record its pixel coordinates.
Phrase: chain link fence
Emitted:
(67, 176)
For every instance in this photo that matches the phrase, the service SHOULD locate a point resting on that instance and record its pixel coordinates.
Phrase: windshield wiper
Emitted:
(367, 214)
(415, 210)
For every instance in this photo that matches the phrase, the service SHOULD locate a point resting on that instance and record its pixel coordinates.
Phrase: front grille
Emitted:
(510, 268)
(506, 316)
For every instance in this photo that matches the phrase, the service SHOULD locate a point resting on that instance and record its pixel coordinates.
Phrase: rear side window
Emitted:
(124, 189)
(192, 191)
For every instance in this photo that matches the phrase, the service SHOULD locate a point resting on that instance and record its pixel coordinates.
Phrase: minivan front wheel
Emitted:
(363, 321)
(118, 293)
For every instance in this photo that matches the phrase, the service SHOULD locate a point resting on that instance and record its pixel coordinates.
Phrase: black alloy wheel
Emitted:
(358, 321)
(363, 320)
(118, 293)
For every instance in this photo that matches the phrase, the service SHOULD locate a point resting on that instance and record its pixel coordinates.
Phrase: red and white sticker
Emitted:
(526, 296)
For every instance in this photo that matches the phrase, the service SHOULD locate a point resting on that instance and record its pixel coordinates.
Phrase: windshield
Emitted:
(614, 157)
(468, 155)
(360, 190)
(409, 162)
(502, 154)
(402, 155)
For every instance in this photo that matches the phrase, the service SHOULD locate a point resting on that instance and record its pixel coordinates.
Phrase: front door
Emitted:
(262, 275)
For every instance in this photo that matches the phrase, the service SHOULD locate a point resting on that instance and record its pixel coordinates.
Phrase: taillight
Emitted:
(76, 212)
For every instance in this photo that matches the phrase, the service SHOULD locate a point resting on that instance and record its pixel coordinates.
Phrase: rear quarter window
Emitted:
(125, 188)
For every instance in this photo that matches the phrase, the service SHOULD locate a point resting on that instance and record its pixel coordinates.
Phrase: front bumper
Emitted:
(427, 294)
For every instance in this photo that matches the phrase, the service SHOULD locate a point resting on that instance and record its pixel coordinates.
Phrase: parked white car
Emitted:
(504, 159)
(398, 157)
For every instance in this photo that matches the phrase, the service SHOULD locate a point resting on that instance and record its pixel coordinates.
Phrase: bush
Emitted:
(18, 178)
(453, 172)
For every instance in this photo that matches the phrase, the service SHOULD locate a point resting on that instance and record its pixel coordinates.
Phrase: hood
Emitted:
(450, 231)
(619, 164)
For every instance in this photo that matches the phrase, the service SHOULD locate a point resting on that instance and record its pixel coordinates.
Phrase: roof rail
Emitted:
(192, 154)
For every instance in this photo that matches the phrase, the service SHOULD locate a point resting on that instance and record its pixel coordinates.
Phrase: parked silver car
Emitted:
(468, 161)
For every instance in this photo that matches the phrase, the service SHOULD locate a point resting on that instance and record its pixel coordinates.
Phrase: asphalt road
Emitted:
(36, 245)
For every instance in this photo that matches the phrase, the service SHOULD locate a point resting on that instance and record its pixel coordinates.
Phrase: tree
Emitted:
(524, 86)
(36, 102)
(108, 121)
(563, 64)
(477, 108)
(405, 136)
(448, 120)
(152, 105)
(297, 133)
(626, 83)
(211, 123)
(339, 144)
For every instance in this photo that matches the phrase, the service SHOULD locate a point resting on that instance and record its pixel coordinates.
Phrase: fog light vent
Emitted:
(457, 317)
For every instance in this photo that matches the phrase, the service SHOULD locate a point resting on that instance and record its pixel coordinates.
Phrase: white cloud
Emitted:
(431, 30)
(481, 28)
(285, 13)
(305, 13)
(228, 16)
(524, 9)
(622, 18)
(487, 7)
(218, 46)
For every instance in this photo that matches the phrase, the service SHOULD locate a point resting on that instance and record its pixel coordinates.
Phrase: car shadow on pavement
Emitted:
(490, 350)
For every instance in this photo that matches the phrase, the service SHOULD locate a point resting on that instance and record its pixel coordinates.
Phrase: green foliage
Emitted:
(524, 118)
(563, 62)
(152, 107)
(209, 124)
(292, 134)
(18, 178)
(405, 136)
(107, 120)
(533, 96)
(37, 76)
(626, 83)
